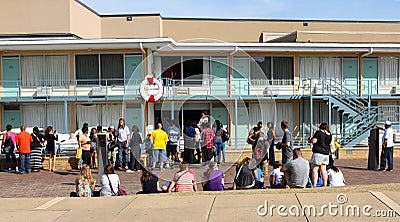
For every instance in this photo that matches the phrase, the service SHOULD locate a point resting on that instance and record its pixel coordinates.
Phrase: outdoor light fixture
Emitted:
(129, 18)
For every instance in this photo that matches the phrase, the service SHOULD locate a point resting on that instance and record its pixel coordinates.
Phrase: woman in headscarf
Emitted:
(36, 149)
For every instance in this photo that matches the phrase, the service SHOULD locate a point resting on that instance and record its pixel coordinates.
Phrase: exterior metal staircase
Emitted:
(358, 115)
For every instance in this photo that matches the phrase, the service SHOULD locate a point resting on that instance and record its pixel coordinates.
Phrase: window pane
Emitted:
(260, 70)
(112, 69)
(283, 70)
(56, 70)
(32, 70)
(193, 70)
(87, 68)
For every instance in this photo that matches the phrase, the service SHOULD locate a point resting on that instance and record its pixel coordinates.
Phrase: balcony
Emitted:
(182, 89)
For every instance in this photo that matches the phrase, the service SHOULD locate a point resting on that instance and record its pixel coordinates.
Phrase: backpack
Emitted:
(8, 141)
(259, 150)
(84, 189)
(224, 136)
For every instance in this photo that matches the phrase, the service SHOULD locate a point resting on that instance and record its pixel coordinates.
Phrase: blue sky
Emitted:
(387, 10)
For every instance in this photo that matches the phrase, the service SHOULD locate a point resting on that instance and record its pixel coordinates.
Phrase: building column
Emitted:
(360, 74)
(296, 127)
(72, 117)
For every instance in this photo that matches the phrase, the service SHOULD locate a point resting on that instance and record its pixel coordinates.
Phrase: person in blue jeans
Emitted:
(8, 147)
(218, 130)
(123, 138)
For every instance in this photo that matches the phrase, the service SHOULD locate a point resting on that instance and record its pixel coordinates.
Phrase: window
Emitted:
(112, 67)
(87, 69)
(45, 70)
(104, 69)
(283, 71)
(271, 70)
(195, 69)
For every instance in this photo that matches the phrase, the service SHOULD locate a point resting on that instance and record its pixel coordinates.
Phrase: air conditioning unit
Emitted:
(44, 91)
(98, 91)
(395, 90)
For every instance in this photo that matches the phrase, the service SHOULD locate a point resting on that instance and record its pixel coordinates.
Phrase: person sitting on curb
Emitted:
(213, 179)
(275, 179)
(335, 176)
(244, 178)
(296, 171)
(109, 182)
(84, 184)
(149, 181)
(184, 179)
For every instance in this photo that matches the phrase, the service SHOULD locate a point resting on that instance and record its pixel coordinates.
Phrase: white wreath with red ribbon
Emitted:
(151, 89)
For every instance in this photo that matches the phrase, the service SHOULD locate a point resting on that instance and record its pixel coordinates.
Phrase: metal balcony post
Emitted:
(311, 114)
(66, 116)
(329, 111)
(142, 114)
(236, 123)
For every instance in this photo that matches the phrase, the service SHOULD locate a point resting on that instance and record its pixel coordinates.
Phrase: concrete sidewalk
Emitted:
(346, 204)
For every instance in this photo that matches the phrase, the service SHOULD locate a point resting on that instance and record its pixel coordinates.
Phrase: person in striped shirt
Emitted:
(184, 180)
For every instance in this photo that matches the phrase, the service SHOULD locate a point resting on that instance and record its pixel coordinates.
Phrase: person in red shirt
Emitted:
(24, 140)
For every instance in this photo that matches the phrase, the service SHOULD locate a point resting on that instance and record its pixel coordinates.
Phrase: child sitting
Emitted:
(275, 179)
(335, 176)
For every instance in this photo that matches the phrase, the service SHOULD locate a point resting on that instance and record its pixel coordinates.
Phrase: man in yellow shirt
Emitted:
(159, 138)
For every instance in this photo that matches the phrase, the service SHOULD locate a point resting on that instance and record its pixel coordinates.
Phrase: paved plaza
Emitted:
(61, 182)
(44, 197)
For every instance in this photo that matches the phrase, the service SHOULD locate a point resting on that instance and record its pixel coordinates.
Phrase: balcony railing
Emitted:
(191, 87)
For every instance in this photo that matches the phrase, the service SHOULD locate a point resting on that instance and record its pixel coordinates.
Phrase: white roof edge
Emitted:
(73, 44)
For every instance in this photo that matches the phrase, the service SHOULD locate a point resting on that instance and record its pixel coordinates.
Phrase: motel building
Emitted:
(63, 64)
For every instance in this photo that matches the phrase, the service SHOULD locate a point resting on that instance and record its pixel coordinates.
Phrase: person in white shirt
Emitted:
(387, 147)
(123, 138)
(275, 179)
(109, 182)
(335, 176)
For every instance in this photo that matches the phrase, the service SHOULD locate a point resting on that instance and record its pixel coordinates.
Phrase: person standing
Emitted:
(174, 134)
(218, 131)
(322, 144)
(136, 141)
(189, 134)
(387, 147)
(84, 142)
(93, 148)
(8, 147)
(253, 137)
(123, 138)
(51, 137)
(271, 137)
(36, 149)
(207, 138)
(287, 143)
(111, 145)
(78, 133)
(160, 139)
(24, 140)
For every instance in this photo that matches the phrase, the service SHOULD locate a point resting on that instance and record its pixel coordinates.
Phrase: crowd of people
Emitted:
(204, 142)
(29, 147)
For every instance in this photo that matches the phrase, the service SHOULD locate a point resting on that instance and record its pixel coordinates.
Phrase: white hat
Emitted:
(388, 123)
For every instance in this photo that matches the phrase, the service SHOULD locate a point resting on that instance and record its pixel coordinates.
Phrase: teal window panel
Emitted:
(219, 73)
(350, 74)
(10, 70)
(241, 75)
(370, 76)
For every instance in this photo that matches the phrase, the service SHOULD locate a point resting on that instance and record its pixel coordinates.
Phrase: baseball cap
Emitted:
(388, 123)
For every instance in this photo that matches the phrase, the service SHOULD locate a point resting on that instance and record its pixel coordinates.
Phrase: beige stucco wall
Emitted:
(139, 27)
(250, 30)
(38, 16)
(348, 37)
(84, 23)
